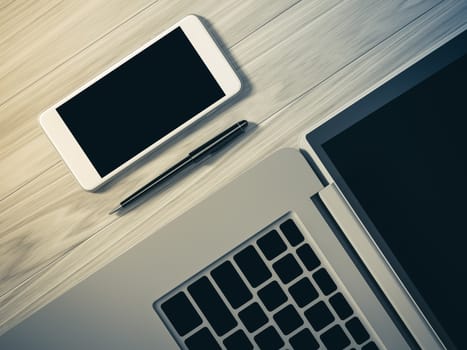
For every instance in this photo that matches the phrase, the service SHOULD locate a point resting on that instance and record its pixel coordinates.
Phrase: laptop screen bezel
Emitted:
(363, 108)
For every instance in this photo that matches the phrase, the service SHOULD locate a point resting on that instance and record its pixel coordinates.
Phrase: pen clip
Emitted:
(219, 141)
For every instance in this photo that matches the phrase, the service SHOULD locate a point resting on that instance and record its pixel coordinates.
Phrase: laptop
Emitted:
(356, 241)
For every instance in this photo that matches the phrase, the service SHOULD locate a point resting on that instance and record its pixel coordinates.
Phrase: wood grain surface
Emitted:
(300, 61)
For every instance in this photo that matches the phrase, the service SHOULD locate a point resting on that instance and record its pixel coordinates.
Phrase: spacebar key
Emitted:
(212, 306)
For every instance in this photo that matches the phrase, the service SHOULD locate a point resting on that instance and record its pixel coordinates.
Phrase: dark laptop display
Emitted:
(400, 157)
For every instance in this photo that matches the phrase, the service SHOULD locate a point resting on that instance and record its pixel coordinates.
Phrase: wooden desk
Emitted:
(301, 61)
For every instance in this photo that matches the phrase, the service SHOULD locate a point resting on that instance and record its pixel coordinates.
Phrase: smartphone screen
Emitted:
(140, 102)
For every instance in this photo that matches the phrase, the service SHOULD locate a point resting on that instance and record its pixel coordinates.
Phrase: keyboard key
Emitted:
(319, 316)
(271, 245)
(370, 346)
(288, 319)
(181, 313)
(212, 306)
(335, 339)
(304, 340)
(357, 330)
(238, 341)
(202, 339)
(253, 317)
(308, 257)
(269, 339)
(252, 266)
(272, 296)
(287, 268)
(341, 306)
(291, 232)
(324, 281)
(231, 284)
(303, 292)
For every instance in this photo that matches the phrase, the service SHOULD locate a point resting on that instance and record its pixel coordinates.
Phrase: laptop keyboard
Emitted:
(271, 292)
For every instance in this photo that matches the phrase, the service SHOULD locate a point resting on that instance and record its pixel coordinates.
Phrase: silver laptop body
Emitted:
(113, 309)
(275, 259)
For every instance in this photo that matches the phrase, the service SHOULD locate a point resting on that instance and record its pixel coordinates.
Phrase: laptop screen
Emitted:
(406, 166)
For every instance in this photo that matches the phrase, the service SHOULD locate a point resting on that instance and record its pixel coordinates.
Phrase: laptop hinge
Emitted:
(315, 167)
(341, 225)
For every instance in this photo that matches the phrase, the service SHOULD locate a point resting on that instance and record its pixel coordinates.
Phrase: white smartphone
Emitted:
(140, 102)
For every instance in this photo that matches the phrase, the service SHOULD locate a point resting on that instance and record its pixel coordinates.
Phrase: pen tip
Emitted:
(115, 210)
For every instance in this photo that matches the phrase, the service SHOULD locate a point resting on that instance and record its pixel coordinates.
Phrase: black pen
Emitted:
(194, 156)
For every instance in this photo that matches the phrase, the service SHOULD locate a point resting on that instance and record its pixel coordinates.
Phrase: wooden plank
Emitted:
(67, 205)
(24, 147)
(5, 4)
(53, 39)
(21, 14)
